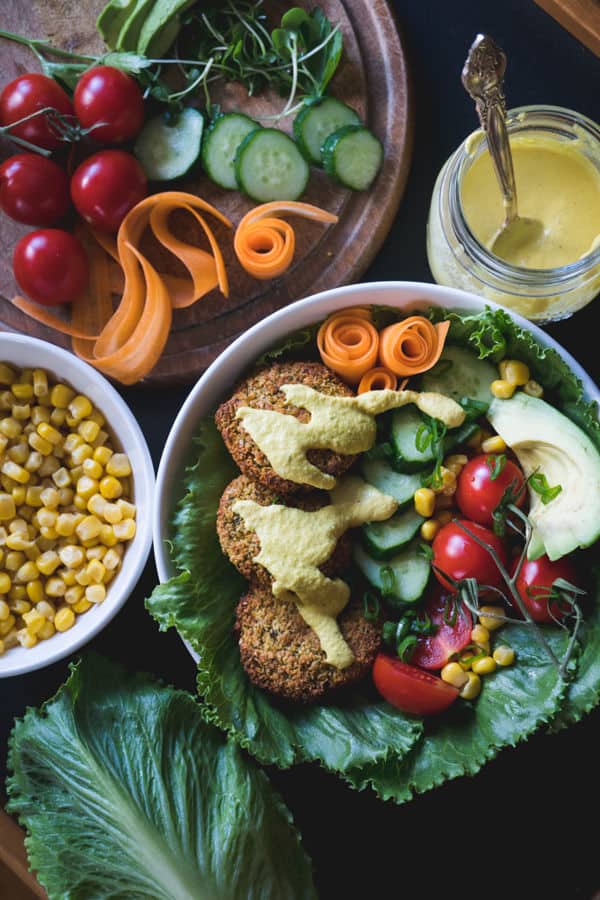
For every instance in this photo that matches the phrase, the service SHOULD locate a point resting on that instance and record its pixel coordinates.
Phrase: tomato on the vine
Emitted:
(535, 585)
(50, 266)
(106, 186)
(458, 555)
(410, 689)
(33, 189)
(27, 94)
(452, 634)
(110, 102)
(482, 484)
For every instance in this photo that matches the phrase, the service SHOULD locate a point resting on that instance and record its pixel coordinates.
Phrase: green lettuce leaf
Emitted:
(366, 741)
(128, 794)
(201, 602)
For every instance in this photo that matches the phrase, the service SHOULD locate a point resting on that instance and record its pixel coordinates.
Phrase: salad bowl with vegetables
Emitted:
(469, 617)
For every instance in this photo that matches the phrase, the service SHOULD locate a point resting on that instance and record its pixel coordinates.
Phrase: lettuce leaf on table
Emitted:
(127, 793)
(364, 739)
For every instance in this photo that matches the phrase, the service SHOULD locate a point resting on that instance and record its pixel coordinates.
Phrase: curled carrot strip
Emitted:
(378, 379)
(126, 343)
(265, 244)
(413, 345)
(349, 343)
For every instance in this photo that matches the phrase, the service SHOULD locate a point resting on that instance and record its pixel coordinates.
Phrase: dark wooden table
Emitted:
(526, 826)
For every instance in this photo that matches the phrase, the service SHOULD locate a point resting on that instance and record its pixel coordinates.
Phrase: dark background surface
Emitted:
(526, 826)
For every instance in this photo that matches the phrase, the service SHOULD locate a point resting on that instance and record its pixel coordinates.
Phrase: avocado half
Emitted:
(546, 441)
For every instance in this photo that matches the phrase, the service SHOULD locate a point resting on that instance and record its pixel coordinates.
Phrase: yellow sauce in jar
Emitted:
(556, 183)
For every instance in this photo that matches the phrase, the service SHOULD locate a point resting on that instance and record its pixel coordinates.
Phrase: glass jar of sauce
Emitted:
(556, 155)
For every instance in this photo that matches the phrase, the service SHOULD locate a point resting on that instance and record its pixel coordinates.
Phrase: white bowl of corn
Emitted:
(76, 492)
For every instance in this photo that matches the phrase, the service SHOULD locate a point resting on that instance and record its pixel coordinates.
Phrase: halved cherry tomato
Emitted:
(410, 689)
(432, 651)
(33, 189)
(107, 95)
(25, 95)
(458, 555)
(106, 186)
(50, 266)
(535, 582)
(482, 484)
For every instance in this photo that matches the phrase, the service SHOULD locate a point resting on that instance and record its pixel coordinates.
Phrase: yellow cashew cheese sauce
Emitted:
(294, 542)
(556, 183)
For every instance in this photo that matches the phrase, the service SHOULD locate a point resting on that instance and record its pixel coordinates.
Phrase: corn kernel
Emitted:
(96, 571)
(86, 487)
(72, 556)
(22, 391)
(82, 606)
(49, 433)
(15, 471)
(18, 541)
(453, 674)
(55, 587)
(27, 572)
(534, 389)
(83, 451)
(92, 469)
(7, 625)
(65, 524)
(125, 530)
(18, 493)
(514, 372)
(7, 507)
(19, 453)
(504, 656)
(33, 621)
(14, 560)
(46, 631)
(80, 407)
(35, 590)
(48, 562)
(73, 594)
(95, 593)
(33, 496)
(39, 443)
(455, 462)
(119, 465)
(34, 461)
(111, 513)
(102, 455)
(20, 605)
(480, 635)
(21, 411)
(26, 639)
(89, 528)
(493, 444)
(502, 389)
(111, 559)
(128, 509)
(61, 396)
(472, 688)
(47, 518)
(4, 610)
(96, 552)
(429, 529)
(72, 441)
(40, 383)
(50, 497)
(64, 619)
(448, 482)
(111, 488)
(424, 500)
(484, 666)
(45, 608)
(39, 414)
(88, 430)
(7, 375)
(10, 428)
(491, 617)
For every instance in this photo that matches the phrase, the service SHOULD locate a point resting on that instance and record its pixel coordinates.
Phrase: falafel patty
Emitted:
(241, 545)
(281, 654)
(262, 391)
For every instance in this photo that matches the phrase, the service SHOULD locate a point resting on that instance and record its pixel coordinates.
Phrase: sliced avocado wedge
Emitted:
(130, 31)
(112, 18)
(546, 441)
(161, 26)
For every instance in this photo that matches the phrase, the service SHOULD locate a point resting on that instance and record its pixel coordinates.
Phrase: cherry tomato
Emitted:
(432, 651)
(535, 583)
(105, 94)
(33, 189)
(106, 186)
(50, 266)
(478, 492)
(410, 689)
(459, 556)
(24, 96)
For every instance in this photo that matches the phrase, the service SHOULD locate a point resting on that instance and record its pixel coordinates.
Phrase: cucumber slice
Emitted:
(269, 166)
(167, 151)
(353, 156)
(459, 374)
(405, 426)
(220, 146)
(316, 121)
(401, 579)
(399, 485)
(384, 539)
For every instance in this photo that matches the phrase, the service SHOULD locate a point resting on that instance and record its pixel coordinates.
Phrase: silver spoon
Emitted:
(482, 77)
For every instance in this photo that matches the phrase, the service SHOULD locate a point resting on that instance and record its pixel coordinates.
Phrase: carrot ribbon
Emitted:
(126, 343)
(377, 379)
(349, 343)
(265, 244)
(413, 345)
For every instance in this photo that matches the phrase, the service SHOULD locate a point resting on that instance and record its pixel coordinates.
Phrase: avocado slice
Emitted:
(112, 18)
(546, 441)
(161, 26)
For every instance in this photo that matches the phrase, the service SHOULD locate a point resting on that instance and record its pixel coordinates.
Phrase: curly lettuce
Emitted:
(364, 740)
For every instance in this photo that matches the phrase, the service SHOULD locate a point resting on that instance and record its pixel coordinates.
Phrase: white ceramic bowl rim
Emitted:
(228, 367)
(23, 351)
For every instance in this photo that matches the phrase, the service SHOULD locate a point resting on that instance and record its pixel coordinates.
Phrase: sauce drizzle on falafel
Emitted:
(295, 542)
(343, 424)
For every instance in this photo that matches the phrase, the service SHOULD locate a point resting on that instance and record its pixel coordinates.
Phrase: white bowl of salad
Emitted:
(470, 617)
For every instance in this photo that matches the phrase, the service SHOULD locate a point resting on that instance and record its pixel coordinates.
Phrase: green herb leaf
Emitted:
(126, 791)
(539, 483)
(495, 464)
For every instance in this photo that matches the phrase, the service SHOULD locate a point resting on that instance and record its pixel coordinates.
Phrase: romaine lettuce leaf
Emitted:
(128, 794)
(364, 740)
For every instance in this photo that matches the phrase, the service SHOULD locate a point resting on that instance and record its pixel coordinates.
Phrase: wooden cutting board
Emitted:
(16, 881)
(373, 78)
